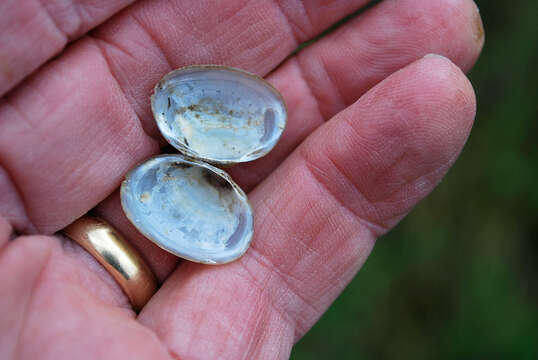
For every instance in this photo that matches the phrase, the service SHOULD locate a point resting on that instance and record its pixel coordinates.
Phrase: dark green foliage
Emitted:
(458, 278)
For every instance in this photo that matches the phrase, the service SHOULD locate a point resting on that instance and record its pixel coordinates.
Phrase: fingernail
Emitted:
(437, 56)
(478, 28)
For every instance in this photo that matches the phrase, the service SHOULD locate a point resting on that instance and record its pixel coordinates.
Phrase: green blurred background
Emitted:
(458, 278)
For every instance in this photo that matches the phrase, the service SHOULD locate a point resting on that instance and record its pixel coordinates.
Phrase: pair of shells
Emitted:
(213, 115)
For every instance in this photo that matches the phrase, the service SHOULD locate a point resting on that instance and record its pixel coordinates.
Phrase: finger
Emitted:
(61, 308)
(37, 30)
(330, 74)
(81, 114)
(317, 217)
(334, 72)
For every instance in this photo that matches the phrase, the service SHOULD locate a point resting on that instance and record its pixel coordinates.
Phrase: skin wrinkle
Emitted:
(282, 279)
(35, 286)
(80, 13)
(151, 134)
(158, 46)
(256, 36)
(258, 301)
(197, 325)
(311, 92)
(317, 174)
(290, 24)
(103, 44)
(325, 222)
(285, 274)
(380, 226)
(229, 338)
(302, 323)
(75, 18)
(301, 32)
(196, 336)
(31, 91)
(233, 339)
(53, 21)
(288, 43)
(373, 230)
(388, 169)
(198, 333)
(261, 318)
(310, 78)
(21, 223)
(255, 344)
(427, 181)
(262, 291)
(376, 227)
(342, 103)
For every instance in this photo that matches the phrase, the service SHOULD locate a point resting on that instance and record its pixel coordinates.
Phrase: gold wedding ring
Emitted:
(121, 260)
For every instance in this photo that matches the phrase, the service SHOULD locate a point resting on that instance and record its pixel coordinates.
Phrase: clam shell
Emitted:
(218, 114)
(189, 208)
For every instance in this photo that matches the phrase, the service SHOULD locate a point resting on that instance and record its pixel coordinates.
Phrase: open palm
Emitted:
(373, 126)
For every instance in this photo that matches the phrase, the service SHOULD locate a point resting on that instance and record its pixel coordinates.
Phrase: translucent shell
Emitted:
(189, 208)
(218, 114)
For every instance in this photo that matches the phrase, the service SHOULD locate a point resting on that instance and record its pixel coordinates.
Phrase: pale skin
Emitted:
(373, 127)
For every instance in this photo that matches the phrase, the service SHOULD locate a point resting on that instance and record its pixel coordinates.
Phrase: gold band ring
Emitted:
(121, 260)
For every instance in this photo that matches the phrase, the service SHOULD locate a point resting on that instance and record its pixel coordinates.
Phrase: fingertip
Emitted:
(454, 22)
(449, 74)
(469, 29)
(406, 133)
(450, 89)
(438, 103)
(461, 21)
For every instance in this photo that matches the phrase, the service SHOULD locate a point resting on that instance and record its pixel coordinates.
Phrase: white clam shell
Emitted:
(218, 114)
(189, 208)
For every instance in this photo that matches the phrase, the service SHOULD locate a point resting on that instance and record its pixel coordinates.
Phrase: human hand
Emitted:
(373, 126)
